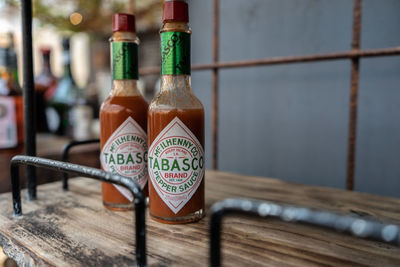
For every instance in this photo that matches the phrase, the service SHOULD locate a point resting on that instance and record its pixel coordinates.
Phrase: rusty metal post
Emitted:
(215, 85)
(355, 63)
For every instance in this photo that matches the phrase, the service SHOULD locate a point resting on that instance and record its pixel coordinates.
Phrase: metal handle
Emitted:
(355, 225)
(65, 156)
(140, 200)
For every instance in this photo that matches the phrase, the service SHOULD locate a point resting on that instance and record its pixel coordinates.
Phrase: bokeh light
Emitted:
(76, 18)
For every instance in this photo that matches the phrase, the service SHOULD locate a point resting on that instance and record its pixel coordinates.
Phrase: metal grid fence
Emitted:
(353, 55)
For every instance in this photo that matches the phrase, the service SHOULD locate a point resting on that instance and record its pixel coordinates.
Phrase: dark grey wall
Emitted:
(291, 121)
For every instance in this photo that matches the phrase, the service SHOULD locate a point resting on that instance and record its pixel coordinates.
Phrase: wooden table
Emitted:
(73, 228)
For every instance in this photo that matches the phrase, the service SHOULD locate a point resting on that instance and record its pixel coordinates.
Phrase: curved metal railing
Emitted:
(140, 200)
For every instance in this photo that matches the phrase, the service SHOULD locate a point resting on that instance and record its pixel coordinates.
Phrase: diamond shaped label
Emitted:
(176, 164)
(125, 153)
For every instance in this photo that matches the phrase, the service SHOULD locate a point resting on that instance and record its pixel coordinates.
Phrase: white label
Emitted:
(8, 123)
(125, 153)
(176, 164)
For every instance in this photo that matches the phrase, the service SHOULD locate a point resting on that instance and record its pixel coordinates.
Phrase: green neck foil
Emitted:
(175, 53)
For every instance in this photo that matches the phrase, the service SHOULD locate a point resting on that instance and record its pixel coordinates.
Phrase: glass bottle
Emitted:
(123, 117)
(64, 98)
(11, 101)
(82, 114)
(45, 85)
(176, 128)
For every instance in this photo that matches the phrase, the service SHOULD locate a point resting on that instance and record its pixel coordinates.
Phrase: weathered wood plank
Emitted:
(73, 228)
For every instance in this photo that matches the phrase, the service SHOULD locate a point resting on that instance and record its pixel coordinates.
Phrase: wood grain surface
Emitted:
(73, 229)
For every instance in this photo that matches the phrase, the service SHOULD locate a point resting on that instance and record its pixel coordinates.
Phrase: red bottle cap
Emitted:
(124, 22)
(176, 11)
(45, 50)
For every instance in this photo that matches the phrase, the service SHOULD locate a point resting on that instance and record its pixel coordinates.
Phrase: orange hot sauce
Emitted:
(176, 129)
(123, 118)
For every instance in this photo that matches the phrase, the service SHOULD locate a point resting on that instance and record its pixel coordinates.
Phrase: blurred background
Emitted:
(288, 121)
(88, 24)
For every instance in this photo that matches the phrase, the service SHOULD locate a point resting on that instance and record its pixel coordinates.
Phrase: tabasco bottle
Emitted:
(176, 128)
(123, 117)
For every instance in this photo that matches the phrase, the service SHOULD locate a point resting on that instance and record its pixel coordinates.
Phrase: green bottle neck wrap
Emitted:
(175, 53)
(124, 61)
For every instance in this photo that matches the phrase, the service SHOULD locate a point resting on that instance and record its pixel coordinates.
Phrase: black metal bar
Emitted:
(29, 95)
(140, 200)
(358, 226)
(65, 156)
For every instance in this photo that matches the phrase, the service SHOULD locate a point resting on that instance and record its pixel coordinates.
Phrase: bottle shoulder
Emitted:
(45, 80)
(170, 100)
(175, 93)
(112, 102)
(65, 92)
